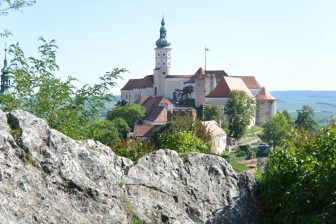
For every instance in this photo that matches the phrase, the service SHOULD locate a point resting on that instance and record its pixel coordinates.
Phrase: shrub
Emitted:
(183, 142)
(133, 149)
(299, 184)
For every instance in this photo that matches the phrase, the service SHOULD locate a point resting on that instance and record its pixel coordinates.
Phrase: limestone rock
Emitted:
(47, 177)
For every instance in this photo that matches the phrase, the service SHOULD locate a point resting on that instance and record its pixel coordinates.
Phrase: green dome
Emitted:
(162, 41)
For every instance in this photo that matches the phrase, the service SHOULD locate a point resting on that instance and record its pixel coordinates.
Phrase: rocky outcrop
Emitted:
(46, 177)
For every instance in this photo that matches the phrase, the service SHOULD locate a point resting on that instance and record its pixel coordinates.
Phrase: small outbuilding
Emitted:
(218, 136)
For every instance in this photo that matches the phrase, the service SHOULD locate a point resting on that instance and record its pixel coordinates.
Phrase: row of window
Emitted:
(137, 95)
(5, 83)
(163, 63)
(163, 54)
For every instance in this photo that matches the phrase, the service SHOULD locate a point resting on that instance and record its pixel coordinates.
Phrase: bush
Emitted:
(299, 184)
(178, 123)
(133, 149)
(246, 152)
(183, 142)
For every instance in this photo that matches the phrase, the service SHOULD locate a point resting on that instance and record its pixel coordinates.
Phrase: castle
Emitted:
(209, 86)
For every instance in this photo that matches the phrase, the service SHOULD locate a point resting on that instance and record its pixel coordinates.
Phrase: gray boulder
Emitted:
(47, 177)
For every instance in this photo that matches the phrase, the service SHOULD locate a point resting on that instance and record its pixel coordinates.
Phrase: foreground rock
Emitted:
(46, 177)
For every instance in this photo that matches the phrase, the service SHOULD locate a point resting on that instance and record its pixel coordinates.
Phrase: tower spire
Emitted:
(5, 78)
(162, 41)
(4, 70)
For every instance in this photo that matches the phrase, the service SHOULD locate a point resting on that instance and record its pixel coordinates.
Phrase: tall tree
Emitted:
(212, 112)
(239, 109)
(35, 89)
(305, 118)
(132, 113)
(277, 130)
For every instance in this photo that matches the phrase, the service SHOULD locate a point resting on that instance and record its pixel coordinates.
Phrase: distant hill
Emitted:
(323, 102)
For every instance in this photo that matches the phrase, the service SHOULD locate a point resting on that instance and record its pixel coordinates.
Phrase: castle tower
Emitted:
(162, 61)
(5, 78)
(266, 106)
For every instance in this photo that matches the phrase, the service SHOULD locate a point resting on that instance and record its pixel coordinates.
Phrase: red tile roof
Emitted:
(144, 130)
(151, 101)
(179, 76)
(147, 81)
(219, 74)
(228, 84)
(264, 95)
(213, 128)
(157, 114)
(250, 81)
(156, 107)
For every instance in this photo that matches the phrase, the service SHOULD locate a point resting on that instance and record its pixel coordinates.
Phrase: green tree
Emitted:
(299, 185)
(277, 130)
(212, 112)
(132, 113)
(104, 131)
(305, 118)
(35, 88)
(122, 127)
(239, 110)
(183, 142)
(288, 117)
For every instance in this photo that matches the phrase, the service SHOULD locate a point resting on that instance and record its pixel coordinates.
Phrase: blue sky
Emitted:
(287, 44)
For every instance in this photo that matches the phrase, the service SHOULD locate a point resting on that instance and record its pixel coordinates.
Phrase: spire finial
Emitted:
(162, 21)
(4, 70)
(6, 53)
(162, 41)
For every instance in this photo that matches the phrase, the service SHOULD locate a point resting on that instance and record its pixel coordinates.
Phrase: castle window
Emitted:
(164, 54)
(158, 63)
(163, 63)
(163, 72)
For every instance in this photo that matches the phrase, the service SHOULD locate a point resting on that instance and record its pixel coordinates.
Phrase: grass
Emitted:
(237, 166)
(253, 131)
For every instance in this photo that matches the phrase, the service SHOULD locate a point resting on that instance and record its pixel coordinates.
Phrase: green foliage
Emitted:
(133, 149)
(104, 131)
(8, 5)
(183, 142)
(299, 185)
(277, 130)
(238, 166)
(122, 127)
(132, 113)
(246, 152)
(178, 123)
(305, 118)
(68, 109)
(212, 112)
(239, 109)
